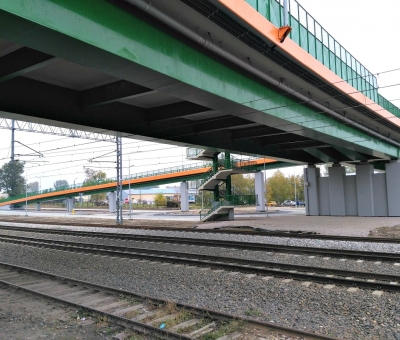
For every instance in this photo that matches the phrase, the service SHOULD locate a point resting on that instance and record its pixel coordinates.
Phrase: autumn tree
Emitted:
(278, 188)
(11, 180)
(160, 200)
(245, 183)
(296, 183)
(94, 177)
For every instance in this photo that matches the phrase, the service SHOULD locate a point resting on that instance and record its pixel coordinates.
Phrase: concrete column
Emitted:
(228, 186)
(38, 206)
(311, 175)
(365, 192)
(184, 197)
(70, 204)
(393, 187)
(260, 191)
(112, 202)
(336, 190)
(215, 170)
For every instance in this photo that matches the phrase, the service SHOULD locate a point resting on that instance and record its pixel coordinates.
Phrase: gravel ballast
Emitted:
(333, 312)
(388, 268)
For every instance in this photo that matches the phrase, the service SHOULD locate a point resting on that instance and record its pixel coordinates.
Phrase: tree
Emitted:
(33, 187)
(61, 184)
(279, 188)
(11, 180)
(160, 200)
(298, 189)
(94, 177)
(245, 183)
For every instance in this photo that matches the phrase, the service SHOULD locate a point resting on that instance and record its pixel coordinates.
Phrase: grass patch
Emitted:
(83, 313)
(253, 312)
(102, 321)
(231, 327)
(129, 299)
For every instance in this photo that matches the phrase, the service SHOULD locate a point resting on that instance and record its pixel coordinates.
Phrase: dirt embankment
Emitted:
(387, 232)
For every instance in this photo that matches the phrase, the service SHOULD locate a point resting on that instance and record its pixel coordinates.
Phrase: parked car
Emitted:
(301, 203)
(272, 204)
(289, 203)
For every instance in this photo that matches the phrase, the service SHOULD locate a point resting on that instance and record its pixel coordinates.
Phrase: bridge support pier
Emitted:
(70, 204)
(337, 205)
(38, 207)
(365, 189)
(365, 194)
(184, 197)
(112, 202)
(260, 191)
(311, 192)
(393, 187)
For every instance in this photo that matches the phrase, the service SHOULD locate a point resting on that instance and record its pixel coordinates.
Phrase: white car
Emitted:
(289, 203)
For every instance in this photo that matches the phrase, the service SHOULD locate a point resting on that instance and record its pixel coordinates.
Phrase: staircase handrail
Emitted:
(211, 208)
(226, 201)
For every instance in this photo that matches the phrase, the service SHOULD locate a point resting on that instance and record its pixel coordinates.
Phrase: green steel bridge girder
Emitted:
(103, 25)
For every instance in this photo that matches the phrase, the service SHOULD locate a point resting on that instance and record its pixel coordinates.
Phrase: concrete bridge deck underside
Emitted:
(106, 66)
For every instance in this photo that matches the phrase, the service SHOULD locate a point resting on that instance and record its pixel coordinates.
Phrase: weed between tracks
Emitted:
(253, 312)
(229, 328)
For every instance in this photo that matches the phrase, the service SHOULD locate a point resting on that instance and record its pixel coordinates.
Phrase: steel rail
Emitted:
(257, 232)
(342, 253)
(142, 327)
(341, 277)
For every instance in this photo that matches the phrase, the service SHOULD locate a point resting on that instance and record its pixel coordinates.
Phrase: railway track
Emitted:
(366, 280)
(237, 231)
(157, 317)
(339, 253)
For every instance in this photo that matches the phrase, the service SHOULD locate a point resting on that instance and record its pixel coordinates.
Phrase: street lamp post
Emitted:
(74, 182)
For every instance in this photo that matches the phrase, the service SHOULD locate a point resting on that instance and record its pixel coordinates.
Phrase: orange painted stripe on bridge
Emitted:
(254, 19)
(112, 185)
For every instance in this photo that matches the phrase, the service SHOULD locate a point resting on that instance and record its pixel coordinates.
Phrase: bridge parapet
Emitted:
(313, 38)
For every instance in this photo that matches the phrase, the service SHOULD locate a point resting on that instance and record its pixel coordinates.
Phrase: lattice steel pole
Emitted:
(12, 138)
(119, 178)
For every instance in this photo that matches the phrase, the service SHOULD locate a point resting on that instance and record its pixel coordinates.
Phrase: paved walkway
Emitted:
(332, 225)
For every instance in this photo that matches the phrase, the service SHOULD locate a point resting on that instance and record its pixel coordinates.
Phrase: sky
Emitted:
(366, 28)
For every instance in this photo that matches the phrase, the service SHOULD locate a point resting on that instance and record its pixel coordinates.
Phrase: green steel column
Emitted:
(215, 170)
(228, 165)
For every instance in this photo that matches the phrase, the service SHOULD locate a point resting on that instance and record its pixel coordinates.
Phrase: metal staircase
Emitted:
(222, 208)
(235, 166)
